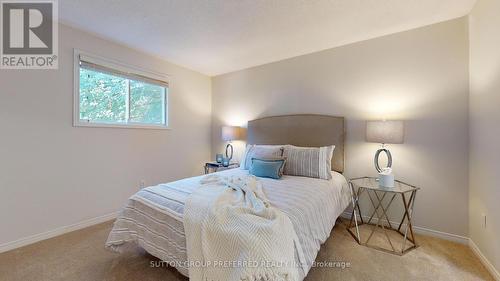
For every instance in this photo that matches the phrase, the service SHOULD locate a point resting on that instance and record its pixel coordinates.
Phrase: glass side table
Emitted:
(217, 167)
(381, 199)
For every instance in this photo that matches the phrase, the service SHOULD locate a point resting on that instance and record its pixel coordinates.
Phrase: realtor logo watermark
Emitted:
(29, 37)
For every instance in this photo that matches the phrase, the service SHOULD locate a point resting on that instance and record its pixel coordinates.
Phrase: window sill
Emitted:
(121, 126)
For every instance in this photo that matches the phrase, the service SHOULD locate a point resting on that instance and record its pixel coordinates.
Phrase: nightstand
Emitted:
(381, 199)
(217, 167)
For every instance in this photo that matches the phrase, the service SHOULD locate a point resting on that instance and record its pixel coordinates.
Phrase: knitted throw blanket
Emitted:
(233, 234)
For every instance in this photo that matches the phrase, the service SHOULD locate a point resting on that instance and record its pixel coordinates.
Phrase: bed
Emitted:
(153, 217)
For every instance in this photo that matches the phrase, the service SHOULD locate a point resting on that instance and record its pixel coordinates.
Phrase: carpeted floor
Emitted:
(80, 255)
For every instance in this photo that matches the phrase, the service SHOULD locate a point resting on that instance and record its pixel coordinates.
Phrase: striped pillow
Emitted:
(260, 151)
(313, 162)
(243, 160)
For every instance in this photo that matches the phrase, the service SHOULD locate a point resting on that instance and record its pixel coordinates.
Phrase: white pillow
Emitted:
(260, 151)
(244, 157)
(313, 162)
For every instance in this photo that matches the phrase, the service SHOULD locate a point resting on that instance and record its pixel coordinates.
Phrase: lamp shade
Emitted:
(385, 131)
(230, 133)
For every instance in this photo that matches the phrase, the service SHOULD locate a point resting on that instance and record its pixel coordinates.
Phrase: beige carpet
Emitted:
(80, 255)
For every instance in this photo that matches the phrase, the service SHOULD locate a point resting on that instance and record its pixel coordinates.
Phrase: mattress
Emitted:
(153, 217)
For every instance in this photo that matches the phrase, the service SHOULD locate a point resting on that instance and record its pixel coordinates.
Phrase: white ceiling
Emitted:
(220, 36)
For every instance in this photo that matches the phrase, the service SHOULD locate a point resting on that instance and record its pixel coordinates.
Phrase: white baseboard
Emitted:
(443, 235)
(424, 231)
(55, 232)
(494, 272)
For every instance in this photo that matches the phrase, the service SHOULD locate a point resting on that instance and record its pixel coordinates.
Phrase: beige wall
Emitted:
(420, 76)
(53, 174)
(484, 128)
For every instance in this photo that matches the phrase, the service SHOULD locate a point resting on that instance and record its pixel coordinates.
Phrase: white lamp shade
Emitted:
(385, 131)
(230, 133)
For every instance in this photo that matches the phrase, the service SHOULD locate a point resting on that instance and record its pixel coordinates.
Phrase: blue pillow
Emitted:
(267, 168)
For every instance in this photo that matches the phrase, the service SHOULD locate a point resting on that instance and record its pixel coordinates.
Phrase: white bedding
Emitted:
(152, 218)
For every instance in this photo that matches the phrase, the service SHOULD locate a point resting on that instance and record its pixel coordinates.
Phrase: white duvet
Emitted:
(153, 217)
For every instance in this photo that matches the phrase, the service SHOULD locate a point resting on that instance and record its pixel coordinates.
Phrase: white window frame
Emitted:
(121, 67)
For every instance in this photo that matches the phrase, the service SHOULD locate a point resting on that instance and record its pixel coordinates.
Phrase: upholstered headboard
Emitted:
(307, 130)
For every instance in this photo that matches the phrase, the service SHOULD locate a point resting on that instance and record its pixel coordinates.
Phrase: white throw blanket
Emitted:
(234, 234)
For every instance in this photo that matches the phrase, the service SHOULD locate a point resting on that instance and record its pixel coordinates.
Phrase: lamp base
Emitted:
(229, 148)
(389, 159)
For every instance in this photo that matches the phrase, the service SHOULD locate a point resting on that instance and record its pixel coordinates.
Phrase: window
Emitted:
(109, 94)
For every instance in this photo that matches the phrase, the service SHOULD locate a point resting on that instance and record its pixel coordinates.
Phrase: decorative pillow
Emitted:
(260, 151)
(244, 157)
(267, 168)
(313, 162)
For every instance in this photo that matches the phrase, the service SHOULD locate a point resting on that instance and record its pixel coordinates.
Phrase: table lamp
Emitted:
(230, 133)
(384, 132)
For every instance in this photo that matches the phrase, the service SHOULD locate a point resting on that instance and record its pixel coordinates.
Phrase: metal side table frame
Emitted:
(215, 166)
(377, 194)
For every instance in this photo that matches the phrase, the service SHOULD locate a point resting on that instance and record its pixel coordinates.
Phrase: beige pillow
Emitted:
(313, 162)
